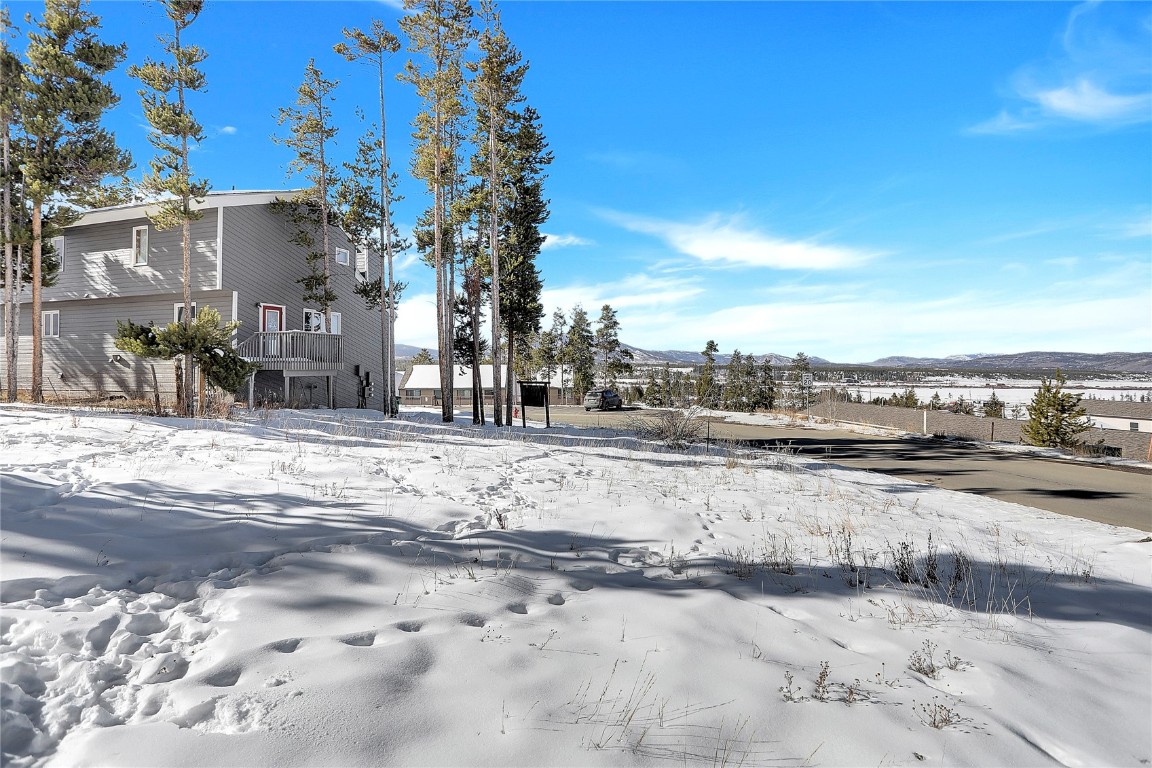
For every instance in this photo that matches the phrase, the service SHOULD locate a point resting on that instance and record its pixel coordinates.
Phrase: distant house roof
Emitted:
(1117, 409)
(428, 377)
(211, 200)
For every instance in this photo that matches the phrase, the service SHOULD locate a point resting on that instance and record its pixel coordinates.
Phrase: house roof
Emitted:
(212, 200)
(1122, 409)
(428, 377)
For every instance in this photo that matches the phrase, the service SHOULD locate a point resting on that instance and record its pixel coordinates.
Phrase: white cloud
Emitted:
(1085, 101)
(563, 241)
(1100, 77)
(416, 320)
(228, 130)
(728, 241)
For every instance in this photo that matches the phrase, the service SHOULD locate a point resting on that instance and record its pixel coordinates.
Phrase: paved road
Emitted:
(1093, 492)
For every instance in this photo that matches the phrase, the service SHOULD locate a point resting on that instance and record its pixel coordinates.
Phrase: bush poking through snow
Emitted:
(675, 429)
(938, 715)
(925, 663)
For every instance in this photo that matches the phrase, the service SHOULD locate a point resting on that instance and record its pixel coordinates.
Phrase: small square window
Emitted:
(139, 246)
(58, 249)
(50, 323)
(178, 312)
(341, 255)
(1133, 426)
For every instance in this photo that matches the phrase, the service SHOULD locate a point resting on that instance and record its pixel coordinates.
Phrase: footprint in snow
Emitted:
(360, 639)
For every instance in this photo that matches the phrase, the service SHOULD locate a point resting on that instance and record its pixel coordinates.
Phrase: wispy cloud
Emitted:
(729, 241)
(563, 241)
(1100, 77)
(227, 130)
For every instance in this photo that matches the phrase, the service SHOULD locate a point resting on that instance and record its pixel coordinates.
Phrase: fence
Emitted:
(1130, 445)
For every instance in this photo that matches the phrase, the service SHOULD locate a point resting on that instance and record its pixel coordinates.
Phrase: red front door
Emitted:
(271, 321)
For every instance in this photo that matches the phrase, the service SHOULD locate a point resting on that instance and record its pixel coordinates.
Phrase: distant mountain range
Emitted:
(1118, 362)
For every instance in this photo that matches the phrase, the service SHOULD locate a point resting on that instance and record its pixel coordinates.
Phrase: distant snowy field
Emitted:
(330, 588)
(1010, 391)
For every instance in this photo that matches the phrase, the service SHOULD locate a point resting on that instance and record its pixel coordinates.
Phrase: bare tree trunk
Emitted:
(11, 278)
(37, 330)
(494, 249)
(155, 391)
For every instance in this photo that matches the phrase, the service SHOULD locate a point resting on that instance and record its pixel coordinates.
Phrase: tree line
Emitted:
(478, 147)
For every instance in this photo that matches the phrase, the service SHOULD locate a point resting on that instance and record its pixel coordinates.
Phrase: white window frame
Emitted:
(59, 245)
(313, 316)
(362, 265)
(313, 321)
(342, 256)
(50, 323)
(140, 246)
(178, 311)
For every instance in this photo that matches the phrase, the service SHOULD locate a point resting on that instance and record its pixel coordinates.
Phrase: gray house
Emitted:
(116, 266)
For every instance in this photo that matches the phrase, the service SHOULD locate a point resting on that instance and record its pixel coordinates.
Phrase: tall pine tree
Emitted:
(311, 133)
(66, 151)
(375, 47)
(174, 133)
(438, 31)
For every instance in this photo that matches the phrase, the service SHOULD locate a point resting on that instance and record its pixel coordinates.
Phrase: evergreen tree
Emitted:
(205, 338)
(65, 152)
(375, 47)
(439, 32)
(579, 352)
(613, 360)
(653, 395)
(798, 393)
(423, 357)
(495, 91)
(311, 132)
(765, 385)
(525, 210)
(994, 407)
(935, 403)
(1055, 417)
(706, 384)
(174, 132)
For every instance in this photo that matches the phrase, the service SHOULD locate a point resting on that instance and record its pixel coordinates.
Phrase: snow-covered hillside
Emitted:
(329, 588)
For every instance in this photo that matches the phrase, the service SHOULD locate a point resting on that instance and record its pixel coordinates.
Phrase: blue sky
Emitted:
(850, 180)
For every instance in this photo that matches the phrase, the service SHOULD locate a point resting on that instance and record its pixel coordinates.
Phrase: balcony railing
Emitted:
(294, 350)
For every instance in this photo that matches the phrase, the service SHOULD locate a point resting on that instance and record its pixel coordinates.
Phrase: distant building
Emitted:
(422, 386)
(1119, 414)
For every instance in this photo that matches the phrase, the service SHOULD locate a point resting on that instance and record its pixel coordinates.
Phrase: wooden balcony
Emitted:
(294, 351)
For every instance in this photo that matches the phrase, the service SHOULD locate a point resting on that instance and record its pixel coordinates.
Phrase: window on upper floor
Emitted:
(50, 323)
(139, 246)
(58, 249)
(178, 312)
(1133, 426)
(341, 255)
(362, 265)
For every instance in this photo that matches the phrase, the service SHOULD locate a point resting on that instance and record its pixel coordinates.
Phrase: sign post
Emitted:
(534, 393)
(806, 382)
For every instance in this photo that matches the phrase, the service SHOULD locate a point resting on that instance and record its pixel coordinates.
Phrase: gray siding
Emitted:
(80, 364)
(262, 265)
(98, 260)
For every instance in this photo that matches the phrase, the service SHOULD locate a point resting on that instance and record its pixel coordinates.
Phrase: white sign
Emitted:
(806, 379)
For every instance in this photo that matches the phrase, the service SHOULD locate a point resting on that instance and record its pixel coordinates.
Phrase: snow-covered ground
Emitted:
(329, 588)
(1010, 391)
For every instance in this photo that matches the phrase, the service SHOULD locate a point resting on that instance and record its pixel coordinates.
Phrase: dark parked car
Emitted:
(603, 399)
